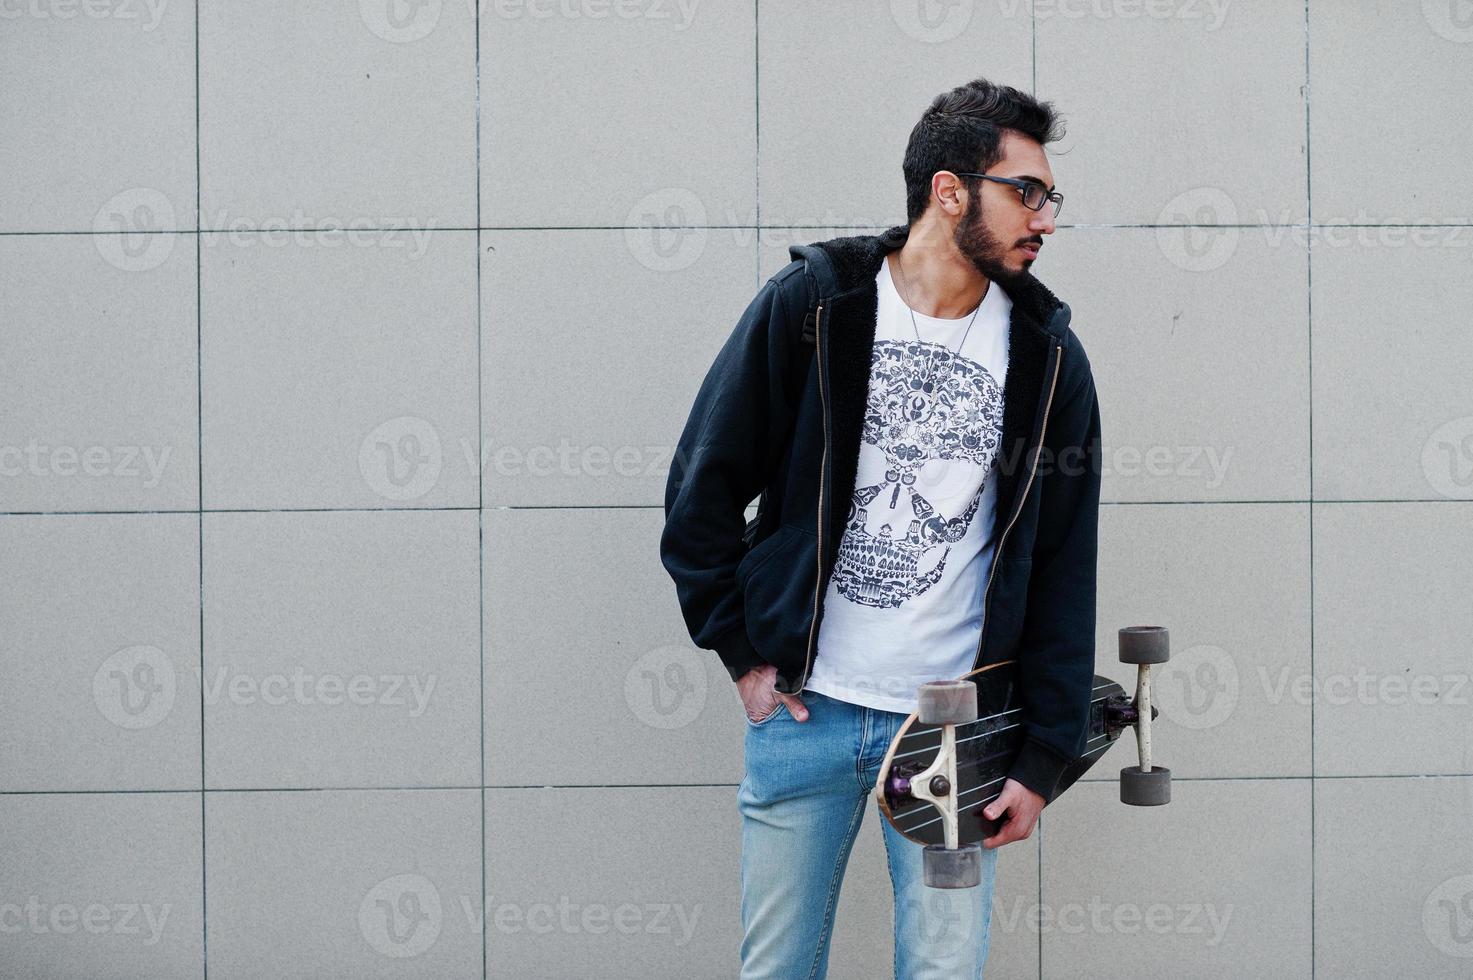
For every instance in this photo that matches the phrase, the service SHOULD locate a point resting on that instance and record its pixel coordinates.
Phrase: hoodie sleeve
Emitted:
(742, 410)
(1056, 651)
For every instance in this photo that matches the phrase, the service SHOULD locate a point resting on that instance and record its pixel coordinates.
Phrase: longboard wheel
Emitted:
(946, 867)
(1144, 645)
(946, 702)
(1141, 788)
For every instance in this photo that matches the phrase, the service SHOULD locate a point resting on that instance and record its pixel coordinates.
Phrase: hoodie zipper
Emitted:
(1022, 501)
(822, 469)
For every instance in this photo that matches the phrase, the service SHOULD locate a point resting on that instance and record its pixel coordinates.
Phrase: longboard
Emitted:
(985, 750)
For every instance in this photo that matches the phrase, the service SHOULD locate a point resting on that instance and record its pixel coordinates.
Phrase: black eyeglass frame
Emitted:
(1025, 186)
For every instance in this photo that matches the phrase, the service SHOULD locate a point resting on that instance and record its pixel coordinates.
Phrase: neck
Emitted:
(937, 280)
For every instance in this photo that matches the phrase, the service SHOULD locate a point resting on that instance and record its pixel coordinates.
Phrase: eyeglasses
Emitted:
(1035, 195)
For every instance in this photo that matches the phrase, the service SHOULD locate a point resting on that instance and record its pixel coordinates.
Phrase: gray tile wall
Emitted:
(342, 349)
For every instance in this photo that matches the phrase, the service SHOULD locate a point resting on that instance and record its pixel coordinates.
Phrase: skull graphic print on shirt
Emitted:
(903, 605)
(896, 541)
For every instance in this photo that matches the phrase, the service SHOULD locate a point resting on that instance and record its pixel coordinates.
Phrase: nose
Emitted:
(1042, 222)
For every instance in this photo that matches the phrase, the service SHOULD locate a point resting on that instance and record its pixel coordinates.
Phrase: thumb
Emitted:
(796, 707)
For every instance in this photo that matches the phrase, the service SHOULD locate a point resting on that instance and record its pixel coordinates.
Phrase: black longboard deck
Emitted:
(985, 749)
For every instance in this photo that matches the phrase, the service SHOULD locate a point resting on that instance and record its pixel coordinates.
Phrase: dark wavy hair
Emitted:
(962, 130)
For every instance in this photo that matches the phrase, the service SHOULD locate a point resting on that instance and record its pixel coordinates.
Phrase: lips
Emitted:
(1031, 250)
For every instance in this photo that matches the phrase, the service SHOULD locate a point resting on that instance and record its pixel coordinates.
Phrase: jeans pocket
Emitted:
(781, 706)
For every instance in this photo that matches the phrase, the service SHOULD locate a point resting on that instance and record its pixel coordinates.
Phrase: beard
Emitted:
(981, 247)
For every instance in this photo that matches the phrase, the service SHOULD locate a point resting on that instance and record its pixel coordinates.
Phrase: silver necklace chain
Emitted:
(931, 361)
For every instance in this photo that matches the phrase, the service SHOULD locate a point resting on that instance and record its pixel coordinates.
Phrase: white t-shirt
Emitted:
(904, 603)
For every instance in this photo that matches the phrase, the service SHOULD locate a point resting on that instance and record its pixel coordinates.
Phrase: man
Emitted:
(929, 469)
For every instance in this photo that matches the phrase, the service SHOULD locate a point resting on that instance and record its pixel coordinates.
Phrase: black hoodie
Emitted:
(772, 419)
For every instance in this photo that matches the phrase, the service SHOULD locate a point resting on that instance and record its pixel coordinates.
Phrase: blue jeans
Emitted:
(806, 788)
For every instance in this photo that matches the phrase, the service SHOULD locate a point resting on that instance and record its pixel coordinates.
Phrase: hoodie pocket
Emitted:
(759, 555)
(777, 581)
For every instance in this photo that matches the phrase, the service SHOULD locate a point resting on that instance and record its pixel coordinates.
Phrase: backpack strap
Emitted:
(818, 271)
(822, 284)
